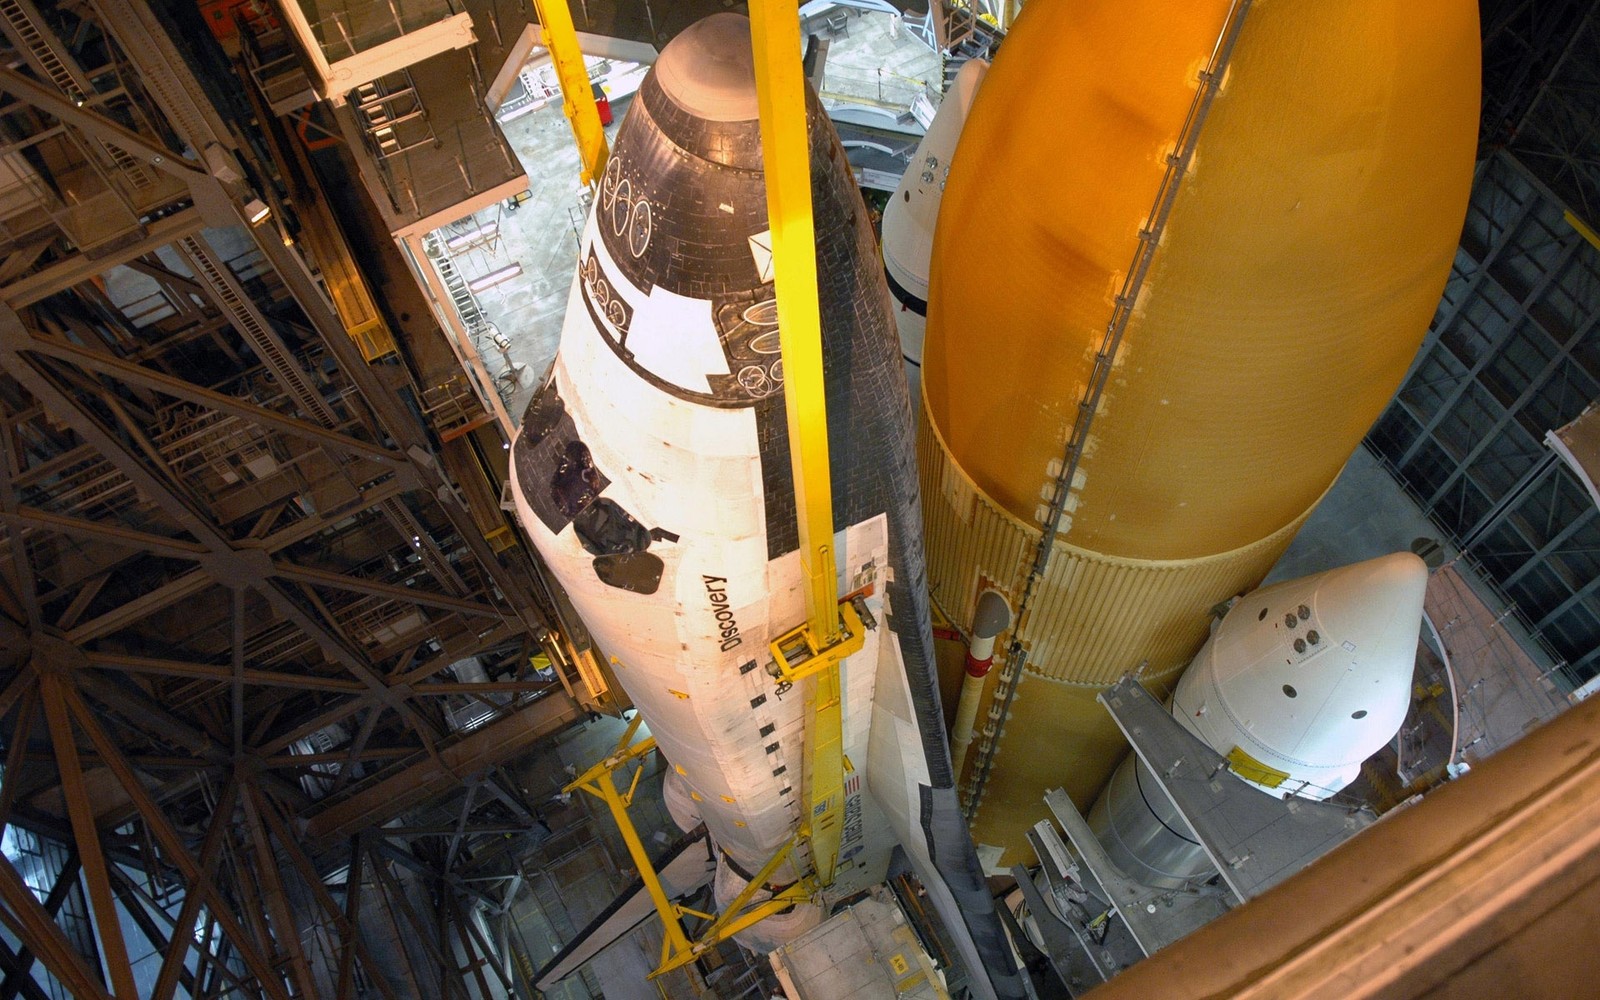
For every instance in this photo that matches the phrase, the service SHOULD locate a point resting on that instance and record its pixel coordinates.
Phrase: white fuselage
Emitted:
(692, 655)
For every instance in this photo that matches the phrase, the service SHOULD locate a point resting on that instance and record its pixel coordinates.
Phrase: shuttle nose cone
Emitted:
(709, 70)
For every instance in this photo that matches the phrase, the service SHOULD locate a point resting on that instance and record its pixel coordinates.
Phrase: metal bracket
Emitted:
(1254, 839)
(1154, 917)
(797, 655)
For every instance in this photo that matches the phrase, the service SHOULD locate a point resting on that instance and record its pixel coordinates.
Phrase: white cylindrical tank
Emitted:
(1298, 684)
(1304, 680)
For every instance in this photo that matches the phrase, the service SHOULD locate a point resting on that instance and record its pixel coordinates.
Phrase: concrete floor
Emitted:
(872, 60)
(541, 236)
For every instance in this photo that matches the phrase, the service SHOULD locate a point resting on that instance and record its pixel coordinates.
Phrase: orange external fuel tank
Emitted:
(1311, 213)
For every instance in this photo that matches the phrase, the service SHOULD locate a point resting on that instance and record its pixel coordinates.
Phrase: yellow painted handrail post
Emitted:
(577, 95)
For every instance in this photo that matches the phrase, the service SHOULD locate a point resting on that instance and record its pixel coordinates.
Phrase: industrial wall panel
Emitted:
(1514, 352)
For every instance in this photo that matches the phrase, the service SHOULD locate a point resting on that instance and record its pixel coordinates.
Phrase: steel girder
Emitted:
(223, 534)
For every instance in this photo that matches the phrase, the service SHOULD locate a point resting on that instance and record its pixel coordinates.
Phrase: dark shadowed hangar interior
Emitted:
(305, 300)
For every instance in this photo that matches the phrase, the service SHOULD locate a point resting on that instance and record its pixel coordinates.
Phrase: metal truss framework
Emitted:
(1541, 88)
(1514, 352)
(236, 569)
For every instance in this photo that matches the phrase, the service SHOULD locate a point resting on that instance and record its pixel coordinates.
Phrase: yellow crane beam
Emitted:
(577, 94)
(786, 160)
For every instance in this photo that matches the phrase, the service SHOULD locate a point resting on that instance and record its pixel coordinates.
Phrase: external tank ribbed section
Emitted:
(1092, 619)
(1292, 265)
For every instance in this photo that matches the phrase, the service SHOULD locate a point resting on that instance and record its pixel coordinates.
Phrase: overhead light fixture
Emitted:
(256, 211)
(496, 277)
(481, 234)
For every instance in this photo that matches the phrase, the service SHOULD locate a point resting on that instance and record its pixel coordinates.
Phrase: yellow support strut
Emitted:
(676, 948)
(786, 156)
(577, 94)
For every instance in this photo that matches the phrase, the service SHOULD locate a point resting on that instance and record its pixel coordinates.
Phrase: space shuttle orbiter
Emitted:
(652, 472)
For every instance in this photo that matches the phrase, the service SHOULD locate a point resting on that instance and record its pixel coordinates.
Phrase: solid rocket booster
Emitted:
(1297, 685)
(912, 212)
(652, 471)
(1305, 249)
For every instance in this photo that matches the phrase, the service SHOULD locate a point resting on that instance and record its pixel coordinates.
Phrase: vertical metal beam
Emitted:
(475, 961)
(20, 683)
(357, 745)
(395, 895)
(38, 931)
(26, 589)
(173, 847)
(133, 904)
(20, 734)
(29, 987)
(407, 966)
(255, 917)
(284, 928)
(349, 931)
(19, 973)
(461, 825)
(87, 835)
(218, 963)
(449, 970)
(352, 920)
(237, 685)
(172, 963)
(210, 972)
(489, 957)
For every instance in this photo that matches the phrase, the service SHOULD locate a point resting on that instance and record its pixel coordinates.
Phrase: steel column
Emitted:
(96, 876)
(38, 932)
(172, 963)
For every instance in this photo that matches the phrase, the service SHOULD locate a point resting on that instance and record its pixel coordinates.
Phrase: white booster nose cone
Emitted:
(1304, 680)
